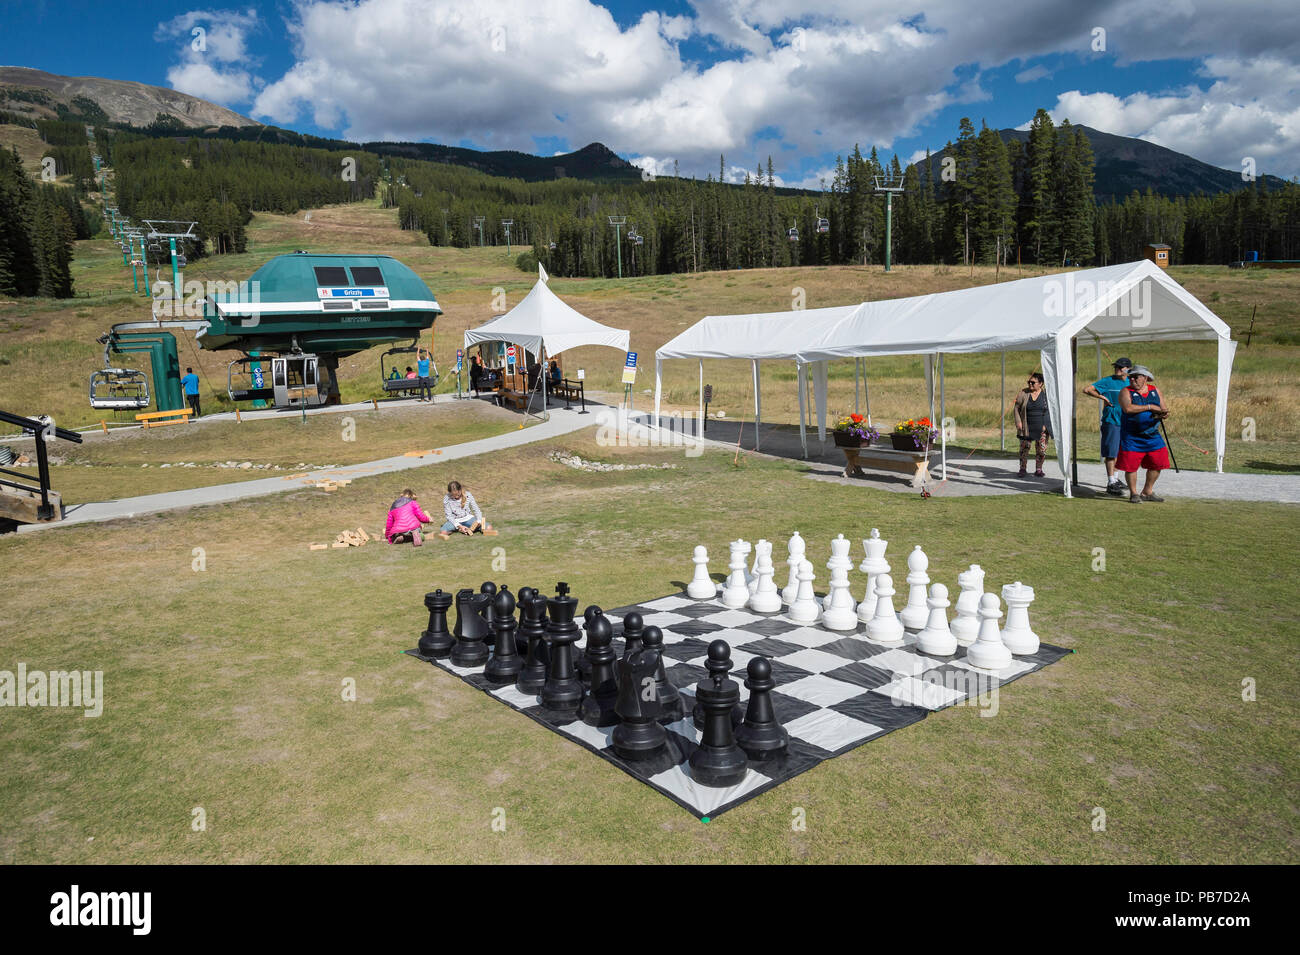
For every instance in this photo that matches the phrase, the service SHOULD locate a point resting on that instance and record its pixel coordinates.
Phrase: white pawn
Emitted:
(840, 611)
(805, 608)
(936, 639)
(796, 549)
(1017, 636)
(839, 558)
(872, 565)
(966, 625)
(988, 652)
(914, 614)
(884, 628)
(701, 586)
(736, 594)
(765, 598)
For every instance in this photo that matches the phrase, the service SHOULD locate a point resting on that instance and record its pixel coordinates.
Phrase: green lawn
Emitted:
(224, 686)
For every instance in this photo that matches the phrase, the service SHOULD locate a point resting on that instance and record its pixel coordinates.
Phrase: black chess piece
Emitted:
(436, 641)
(633, 627)
(506, 662)
(490, 590)
(533, 676)
(598, 705)
(717, 669)
(582, 664)
(760, 735)
(718, 761)
(639, 735)
(670, 701)
(471, 647)
(562, 691)
(521, 639)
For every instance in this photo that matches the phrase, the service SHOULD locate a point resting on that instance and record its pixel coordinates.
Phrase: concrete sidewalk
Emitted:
(561, 422)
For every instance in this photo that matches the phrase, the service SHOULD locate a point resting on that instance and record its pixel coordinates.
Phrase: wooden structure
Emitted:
(1158, 253)
(159, 419)
(916, 464)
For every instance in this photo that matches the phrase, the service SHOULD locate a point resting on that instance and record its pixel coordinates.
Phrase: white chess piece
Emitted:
(736, 593)
(1017, 635)
(796, 550)
(751, 578)
(936, 639)
(839, 558)
(805, 608)
(766, 598)
(965, 626)
(884, 627)
(839, 611)
(915, 614)
(874, 563)
(701, 586)
(988, 652)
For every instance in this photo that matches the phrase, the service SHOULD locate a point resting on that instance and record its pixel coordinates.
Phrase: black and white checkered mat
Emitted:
(835, 691)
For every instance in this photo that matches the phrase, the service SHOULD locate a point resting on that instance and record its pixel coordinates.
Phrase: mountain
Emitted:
(40, 95)
(1125, 164)
(593, 161)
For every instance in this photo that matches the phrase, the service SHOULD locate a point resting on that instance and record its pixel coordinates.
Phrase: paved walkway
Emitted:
(978, 475)
(561, 422)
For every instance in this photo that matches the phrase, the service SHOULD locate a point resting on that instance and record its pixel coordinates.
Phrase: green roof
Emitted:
(292, 278)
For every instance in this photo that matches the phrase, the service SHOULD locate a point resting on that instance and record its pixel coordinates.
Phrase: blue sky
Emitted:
(685, 80)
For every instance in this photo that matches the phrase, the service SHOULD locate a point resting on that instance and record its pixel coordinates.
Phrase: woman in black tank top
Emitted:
(1033, 424)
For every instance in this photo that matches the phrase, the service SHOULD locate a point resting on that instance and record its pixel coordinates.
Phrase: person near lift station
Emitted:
(1141, 445)
(190, 382)
(475, 373)
(1108, 389)
(1033, 423)
(422, 366)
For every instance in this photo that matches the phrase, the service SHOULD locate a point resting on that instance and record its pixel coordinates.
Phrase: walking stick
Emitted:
(1170, 445)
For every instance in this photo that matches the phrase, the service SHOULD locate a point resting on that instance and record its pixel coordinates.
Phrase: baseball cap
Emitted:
(1121, 363)
(1142, 370)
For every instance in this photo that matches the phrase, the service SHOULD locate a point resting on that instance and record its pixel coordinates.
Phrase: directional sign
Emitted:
(460, 360)
(631, 360)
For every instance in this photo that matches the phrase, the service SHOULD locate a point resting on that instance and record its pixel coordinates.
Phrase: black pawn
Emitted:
(472, 630)
(669, 699)
(562, 691)
(582, 664)
(521, 639)
(437, 641)
(633, 627)
(489, 590)
(598, 705)
(533, 676)
(760, 735)
(718, 668)
(506, 662)
(718, 761)
(638, 735)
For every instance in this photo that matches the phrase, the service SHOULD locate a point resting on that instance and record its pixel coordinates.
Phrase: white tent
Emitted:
(1133, 302)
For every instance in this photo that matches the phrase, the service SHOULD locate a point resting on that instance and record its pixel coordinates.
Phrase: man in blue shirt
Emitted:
(1108, 389)
(190, 382)
(422, 365)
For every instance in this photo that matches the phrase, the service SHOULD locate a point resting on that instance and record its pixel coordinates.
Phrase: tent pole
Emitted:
(1074, 418)
(866, 391)
(545, 374)
(803, 403)
(700, 419)
(857, 375)
(943, 429)
(758, 406)
(1098, 337)
(929, 381)
(1002, 406)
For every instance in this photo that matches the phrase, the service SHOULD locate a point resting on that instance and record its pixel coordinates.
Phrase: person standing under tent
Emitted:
(1033, 423)
(475, 373)
(190, 382)
(1108, 389)
(1141, 445)
(422, 365)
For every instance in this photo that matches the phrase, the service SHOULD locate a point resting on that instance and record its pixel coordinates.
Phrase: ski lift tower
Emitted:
(478, 224)
(506, 224)
(168, 229)
(889, 184)
(618, 222)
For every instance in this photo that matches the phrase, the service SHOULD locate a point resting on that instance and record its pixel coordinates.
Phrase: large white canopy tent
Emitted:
(1132, 302)
(546, 326)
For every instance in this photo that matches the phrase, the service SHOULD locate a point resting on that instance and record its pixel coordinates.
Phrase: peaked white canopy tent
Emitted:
(546, 326)
(1132, 302)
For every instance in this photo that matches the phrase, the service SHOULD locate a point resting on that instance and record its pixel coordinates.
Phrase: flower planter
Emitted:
(845, 440)
(904, 442)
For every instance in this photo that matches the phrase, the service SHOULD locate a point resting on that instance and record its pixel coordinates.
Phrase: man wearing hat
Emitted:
(1141, 445)
(1108, 389)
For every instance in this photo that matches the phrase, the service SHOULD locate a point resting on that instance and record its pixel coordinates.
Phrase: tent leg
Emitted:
(943, 428)
(857, 374)
(803, 406)
(1002, 406)
(1074, 418)
(866, 391)
(758, 406)
(700, 419)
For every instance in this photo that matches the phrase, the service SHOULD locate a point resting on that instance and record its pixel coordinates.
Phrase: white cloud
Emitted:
(213, 58)
(1033, 74)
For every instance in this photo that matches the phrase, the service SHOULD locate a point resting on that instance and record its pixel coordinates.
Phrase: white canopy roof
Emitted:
(542, 320)
(1136, 301)
(1132, 302)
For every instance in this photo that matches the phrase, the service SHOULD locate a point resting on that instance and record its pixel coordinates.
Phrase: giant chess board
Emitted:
(835, 691)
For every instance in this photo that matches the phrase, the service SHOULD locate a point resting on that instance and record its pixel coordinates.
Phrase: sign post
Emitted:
(629, 379)
(460, 363)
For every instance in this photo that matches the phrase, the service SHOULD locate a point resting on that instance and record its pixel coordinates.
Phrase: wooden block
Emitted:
(491, 533)
(320, 546)
(337, 544)
(364, 536)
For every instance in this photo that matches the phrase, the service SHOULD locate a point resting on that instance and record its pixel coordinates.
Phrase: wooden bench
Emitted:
(158, 419)
(518, 399)
(913, 463)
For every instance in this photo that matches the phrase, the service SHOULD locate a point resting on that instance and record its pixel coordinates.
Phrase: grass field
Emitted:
(47, 348)
(223, 687)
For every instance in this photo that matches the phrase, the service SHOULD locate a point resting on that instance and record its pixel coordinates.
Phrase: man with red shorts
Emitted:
(1141, 445)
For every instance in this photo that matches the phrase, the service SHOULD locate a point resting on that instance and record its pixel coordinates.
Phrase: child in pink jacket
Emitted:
(405, 518)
